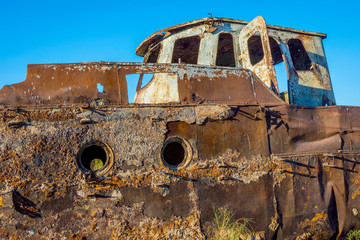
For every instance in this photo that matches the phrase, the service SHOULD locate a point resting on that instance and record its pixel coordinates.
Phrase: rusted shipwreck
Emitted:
(209, 130)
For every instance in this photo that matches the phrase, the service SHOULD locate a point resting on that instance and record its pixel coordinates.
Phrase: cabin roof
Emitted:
(158, 35)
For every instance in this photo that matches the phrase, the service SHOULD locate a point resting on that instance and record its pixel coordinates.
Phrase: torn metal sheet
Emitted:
(49, 85)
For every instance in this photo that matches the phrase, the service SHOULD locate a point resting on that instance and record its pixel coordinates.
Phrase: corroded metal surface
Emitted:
(79, 161)
(264, 69)
(263, 162)
(142, 48)
(48, 85)
(310, 86)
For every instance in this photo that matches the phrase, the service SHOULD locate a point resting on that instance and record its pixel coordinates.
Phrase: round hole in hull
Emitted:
(95, 157)
(176, 153)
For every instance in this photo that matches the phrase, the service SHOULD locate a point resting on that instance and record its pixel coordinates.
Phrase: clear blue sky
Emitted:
(85, 31)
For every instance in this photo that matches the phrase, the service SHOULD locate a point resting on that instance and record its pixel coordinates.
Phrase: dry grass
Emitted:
(226, 228)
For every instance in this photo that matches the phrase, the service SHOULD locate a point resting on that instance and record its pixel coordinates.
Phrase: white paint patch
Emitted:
(163, 88)
(103, 68)
(81, 68)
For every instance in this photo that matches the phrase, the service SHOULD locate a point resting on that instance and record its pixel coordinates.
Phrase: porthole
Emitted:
(176, 153)
(95, 157)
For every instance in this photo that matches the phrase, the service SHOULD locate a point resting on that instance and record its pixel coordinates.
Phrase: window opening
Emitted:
(281, 77)
(186, 50)
(280, 68)
(225, 52)
(152, 55)
(256, 51)
(146, 78)
(133, 81)
(299, 55)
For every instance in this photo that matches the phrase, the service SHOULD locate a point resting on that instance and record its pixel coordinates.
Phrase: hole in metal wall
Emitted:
(152, 55)
(95, 157)
(255, 47)
(176, 153)
(186, 50)
(133, 81)
(146, 78)
(299, 55)
(225, 52)
(100, 88)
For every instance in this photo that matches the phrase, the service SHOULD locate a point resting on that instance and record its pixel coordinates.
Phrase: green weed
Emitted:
(353, 235)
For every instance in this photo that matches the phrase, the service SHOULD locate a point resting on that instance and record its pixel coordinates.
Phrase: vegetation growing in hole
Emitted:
(96, 164)
(353, 235)
(226, 227)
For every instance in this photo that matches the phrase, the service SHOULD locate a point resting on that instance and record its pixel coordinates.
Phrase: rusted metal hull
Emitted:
(293, 170)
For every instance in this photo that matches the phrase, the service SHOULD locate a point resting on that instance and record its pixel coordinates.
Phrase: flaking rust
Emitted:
(209, 130)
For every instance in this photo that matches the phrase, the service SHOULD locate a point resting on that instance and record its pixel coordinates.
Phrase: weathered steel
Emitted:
(81, 162)
(264, 69)
(310, 86)
(48, 85)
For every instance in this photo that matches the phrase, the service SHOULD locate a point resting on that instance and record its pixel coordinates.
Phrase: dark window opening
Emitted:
(256, 51)
(225, 52)
(275, 51)
(280, 68)
(299, 55)
(186, 50)
(152, 55)
(93, 158)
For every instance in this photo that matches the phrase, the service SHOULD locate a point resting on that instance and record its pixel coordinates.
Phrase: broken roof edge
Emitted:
(142, 48)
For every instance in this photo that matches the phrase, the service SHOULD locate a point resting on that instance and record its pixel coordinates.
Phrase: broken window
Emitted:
(279, 67)
(256, 51)
(299, 55)
(225, 52)
(186, 50)
(135, 82)
(131, 80)
(144, 79)
(152, 55)
(275, 51)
